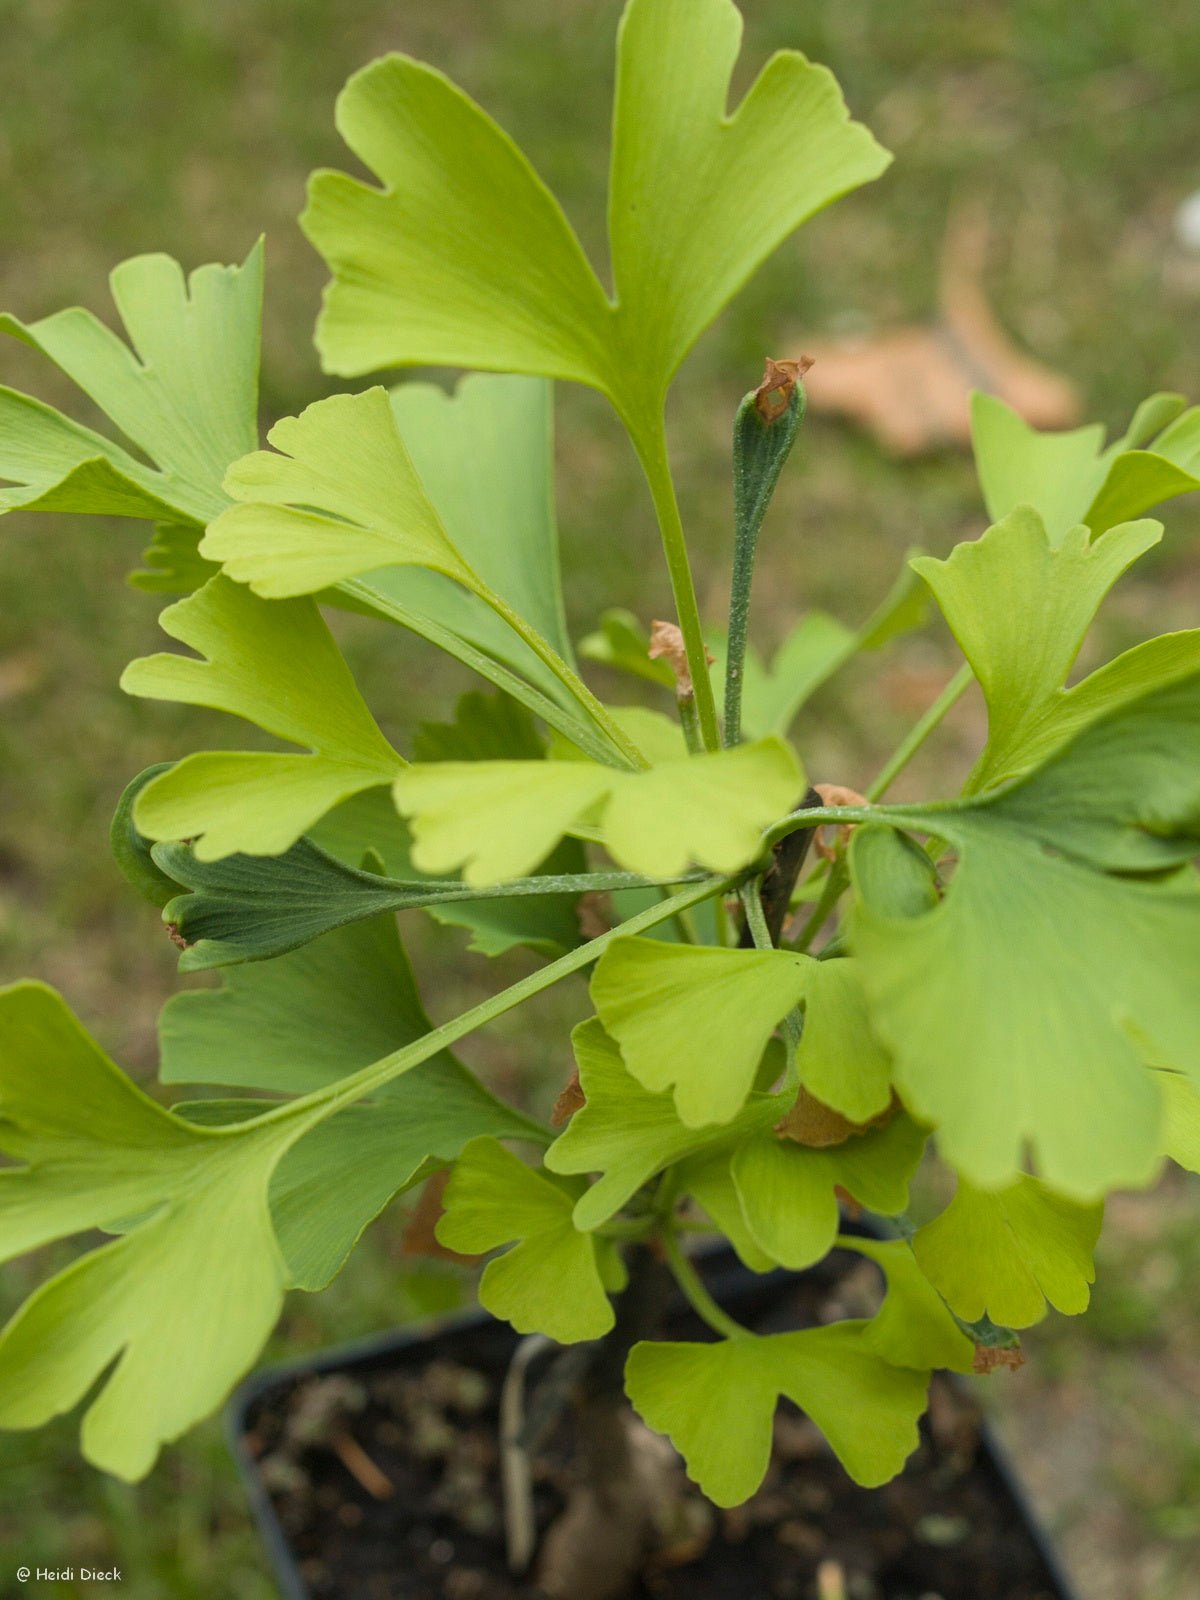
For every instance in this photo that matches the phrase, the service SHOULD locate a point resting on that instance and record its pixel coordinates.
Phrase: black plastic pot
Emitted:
(475, 1339)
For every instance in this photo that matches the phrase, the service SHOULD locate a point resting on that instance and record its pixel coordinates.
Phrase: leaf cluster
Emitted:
(1003, 977)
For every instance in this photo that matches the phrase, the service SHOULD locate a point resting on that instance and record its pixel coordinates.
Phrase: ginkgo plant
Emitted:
(1004, 976)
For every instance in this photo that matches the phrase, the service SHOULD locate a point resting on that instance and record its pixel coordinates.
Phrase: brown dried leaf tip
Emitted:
(595, 913)
(420, 1230)
(811, 1122)
(828, 840)
(176, 937)
(666, 644)
(990, 1356)
(571, 1100)
(774, 394)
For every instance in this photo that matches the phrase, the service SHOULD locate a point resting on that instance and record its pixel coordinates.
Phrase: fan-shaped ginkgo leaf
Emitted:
(303, 1021)
(499, 819)
(336, 497)
(274, 663)
(1020, 604)
(716, 1402)
(186, 395)
(1071, 478)
(626, 1134)
(464, 258)
(1024, 1005)
(183, 1301)
(1007, 1254)
(555, 1279)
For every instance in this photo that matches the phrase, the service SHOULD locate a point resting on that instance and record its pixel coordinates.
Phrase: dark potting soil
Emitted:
(384, 1477)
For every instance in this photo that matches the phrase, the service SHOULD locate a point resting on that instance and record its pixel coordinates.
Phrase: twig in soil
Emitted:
(360, 1466)
(831, 1581)
(516, 1472)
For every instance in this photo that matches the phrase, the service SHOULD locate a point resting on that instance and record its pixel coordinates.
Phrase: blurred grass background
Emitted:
(189, 126)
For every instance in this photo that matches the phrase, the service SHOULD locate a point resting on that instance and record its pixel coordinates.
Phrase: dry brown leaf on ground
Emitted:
(20, 674)
(911, 386)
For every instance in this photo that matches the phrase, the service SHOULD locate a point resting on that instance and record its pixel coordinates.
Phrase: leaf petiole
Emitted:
(323, 1103)
(836, 884)
(921, 730)
(361, 598)
(694, 1292)
(756, 921)
(567, 676)
(651, 447)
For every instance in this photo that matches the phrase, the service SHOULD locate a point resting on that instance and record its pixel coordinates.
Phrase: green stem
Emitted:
(651, 446)
(322, 1103)
(762, 443)
(745, 550)
(415, 895)
(721, 917)
(808, 816)
(689, 720)
(756, 921)
(630, 1231)
(836, 884)
(694, 1292)
(568, 677)
(920, 731)
(357, 597)
(683, 921)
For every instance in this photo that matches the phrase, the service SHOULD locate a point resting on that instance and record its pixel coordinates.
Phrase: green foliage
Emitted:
(914, 1327)
(344, 462)
(816, 648)
(172, 561)
(695, 1018)
(301, 1021)
(464, 258)
(786, 1192)
(342, 498)
(840, 1060)
(305, 1021)
(1182, 1123)
(716, 1402)
(773, 693)
(250, 908)
(498, 819)
(1020, 605)
(1025, 1004)
(623, 643)
(185, 1299)
(277, 666)
(1012, 981)
(1007, 1254)
(186, 395)
(132, 851)
(556, 1279)
(764, 431)
(699, 1018)
(1071, 478)
(628, 1135)
(191, 1202)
